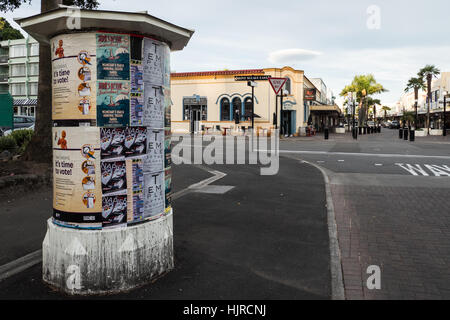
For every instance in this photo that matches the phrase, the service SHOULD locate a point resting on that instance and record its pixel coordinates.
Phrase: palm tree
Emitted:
(385, 109)
(427, 73)
(372, 103)
(415, 84)
(364, 86)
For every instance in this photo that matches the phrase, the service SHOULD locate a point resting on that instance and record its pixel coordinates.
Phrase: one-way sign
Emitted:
(251, 78)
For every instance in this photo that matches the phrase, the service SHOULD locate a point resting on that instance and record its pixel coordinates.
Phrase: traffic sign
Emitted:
(277, 84)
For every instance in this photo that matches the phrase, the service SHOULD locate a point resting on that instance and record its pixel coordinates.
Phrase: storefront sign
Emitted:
(252, 78)
(309, 95)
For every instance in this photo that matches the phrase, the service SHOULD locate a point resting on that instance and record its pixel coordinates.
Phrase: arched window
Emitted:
(247, 108)
(224, 109)
(287, 85)
(237, 105)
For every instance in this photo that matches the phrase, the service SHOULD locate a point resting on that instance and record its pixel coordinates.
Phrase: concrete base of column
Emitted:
(87, 262)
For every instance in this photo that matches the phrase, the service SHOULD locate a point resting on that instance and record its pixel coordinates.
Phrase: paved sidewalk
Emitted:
(267, 238)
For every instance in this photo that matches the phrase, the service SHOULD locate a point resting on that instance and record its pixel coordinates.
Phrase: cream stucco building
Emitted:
(212, 100)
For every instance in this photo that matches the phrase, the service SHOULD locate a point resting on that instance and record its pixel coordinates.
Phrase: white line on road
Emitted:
(381, 155)
(341, 160)
(378, 164)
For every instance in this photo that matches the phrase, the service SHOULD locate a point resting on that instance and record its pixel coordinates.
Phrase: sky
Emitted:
(328, 39)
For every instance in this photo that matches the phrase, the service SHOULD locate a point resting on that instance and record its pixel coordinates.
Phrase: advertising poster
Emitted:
(168, 188)
(154, 161)
(167, 148)
(112, 141)
(137, 109)
(73, 77)
(153, 62)
(137, 76)
(166, 56)
(77, 190)
(114, 211)
(153, 107)
(167, 107)
(135, 141)
(154, 200)
(135, 182)
(114, 178)
(113, 56)
(113, 103)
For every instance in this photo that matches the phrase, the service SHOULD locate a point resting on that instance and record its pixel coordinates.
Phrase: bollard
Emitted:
(360, 130)
(405, 134)
(364, 130)
(400, 133)
(412, 135)
(326, 133)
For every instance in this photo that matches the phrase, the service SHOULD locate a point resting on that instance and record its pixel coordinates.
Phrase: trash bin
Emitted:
(326, 133)
(412, 135)
(400, 133)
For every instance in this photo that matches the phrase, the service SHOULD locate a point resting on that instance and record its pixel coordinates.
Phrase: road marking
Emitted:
(378, 164)
(19, 265)
(381, 155)
(341, 160)
(320, 161)
(11, 268)
(417, 170)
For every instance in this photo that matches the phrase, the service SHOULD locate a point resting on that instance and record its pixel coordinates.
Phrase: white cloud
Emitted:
(292, 55)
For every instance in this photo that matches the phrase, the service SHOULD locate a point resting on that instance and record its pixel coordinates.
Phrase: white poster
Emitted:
(153, 62)
(153, 107)
(154, 161)
(154, 200)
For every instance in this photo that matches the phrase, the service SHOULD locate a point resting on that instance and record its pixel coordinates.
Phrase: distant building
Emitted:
(213, 99)
(19, 69)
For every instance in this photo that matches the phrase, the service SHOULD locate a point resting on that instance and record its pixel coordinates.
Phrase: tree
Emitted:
(364, 86)
(40, 147)
(415, 84)
(427, 73)
(372, 103)
(7, 32)
(385, 109)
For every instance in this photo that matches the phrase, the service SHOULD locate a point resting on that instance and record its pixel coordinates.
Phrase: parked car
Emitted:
(9, 131)
(371, 123)
(20, 122)
(394, 125)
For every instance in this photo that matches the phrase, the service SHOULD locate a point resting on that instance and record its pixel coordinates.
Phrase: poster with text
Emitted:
(135, 141)
(154, 200)
(73, 77)
(112, 142)
(114, 211)
(153, 62)
(137, 109)
(153, 107)
(113, 56)
(137, 76)
(77, 189)
(168, 188)
(114, 177)
(167, 148)
(113, 103)
(154, 161)
(166, 57)
(135, 182)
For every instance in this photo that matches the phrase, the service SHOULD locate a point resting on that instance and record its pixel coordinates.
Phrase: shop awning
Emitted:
(325, 108)
(24, 102)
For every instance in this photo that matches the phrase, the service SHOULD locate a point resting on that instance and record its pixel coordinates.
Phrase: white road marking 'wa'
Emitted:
(417, 170)
(361, 154)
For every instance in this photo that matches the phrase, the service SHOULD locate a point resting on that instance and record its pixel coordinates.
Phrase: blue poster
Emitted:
(113, 103)
(113, 56)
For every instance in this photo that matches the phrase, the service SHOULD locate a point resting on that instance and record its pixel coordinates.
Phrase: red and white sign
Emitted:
(277, 84)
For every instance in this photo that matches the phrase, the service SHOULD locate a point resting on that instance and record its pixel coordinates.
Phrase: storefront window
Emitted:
(287, 85)
(18, 70)
(224, 109)
(33, 69)
(247, 108)
(33, 88)
(237, 105)
(18, 89)
(34, 49)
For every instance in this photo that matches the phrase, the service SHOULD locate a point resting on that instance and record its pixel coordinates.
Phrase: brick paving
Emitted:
(403, 230)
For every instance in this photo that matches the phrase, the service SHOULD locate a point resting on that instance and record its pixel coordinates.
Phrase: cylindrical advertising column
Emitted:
(112, 216)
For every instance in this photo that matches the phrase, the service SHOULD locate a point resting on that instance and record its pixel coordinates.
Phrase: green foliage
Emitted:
(363, 85)
(11, 5)
(7, 32)
(7, 143)
(22, 137)
(415, 84)
(429, 70)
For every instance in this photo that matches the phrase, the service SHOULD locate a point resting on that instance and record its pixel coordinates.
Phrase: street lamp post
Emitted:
(444, 131)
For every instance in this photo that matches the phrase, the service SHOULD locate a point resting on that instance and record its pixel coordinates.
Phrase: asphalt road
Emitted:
(266, 238)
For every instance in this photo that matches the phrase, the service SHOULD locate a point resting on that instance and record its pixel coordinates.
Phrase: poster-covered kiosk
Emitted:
(111, 228)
